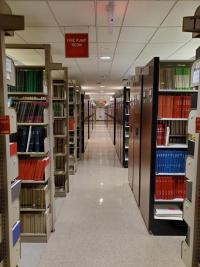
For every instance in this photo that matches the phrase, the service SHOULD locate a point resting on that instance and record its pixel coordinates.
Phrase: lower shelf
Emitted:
(60, 192)
(34, 238)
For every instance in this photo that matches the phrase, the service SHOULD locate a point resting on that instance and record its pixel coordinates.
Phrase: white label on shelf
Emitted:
(8, 65)
(196, 76)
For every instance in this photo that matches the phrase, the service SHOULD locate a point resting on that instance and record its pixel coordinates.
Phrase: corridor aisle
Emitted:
(99, 224)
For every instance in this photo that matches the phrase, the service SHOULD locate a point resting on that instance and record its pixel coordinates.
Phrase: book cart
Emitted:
(166, 102)
(9, 186)
(191, 208)
(61, 134)
(122, 125)
(32, 99)
(72, 128)
(79, 121)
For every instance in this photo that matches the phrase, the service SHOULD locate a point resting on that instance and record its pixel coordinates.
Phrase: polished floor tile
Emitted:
(99, 224)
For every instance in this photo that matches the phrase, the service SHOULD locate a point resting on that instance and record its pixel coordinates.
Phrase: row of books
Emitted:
(33, 222)
(170, 161)
(60, 163)
(35, 197)
(31, 138)
(32, 169)
(59, 109)
(59, 146)
(58, 127)
(170, 187)
(58, 91)
(29, 80)
(177, 78)
(71, 94)
(60, 180)
(168, 134)
(174, 106)
(71, 124)
(30, 112)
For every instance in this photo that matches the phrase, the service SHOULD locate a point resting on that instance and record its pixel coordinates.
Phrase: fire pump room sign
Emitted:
(76, 45)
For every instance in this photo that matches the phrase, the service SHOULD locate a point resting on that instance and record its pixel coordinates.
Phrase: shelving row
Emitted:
(122, 99)
(79, 121)
(159, 143)
(61, 135)
(110, 118)
(72, 128)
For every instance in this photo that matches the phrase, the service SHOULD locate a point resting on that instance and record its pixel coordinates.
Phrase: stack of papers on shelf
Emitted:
(168, 212)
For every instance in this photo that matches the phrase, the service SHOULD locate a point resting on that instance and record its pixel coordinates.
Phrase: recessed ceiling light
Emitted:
(105, 57)
(102, 86)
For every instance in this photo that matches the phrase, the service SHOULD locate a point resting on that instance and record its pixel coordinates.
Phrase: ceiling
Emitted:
(140, 31)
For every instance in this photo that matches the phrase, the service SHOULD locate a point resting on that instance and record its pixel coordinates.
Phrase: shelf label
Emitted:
(4, 125)
(76, 45)
(198, 125)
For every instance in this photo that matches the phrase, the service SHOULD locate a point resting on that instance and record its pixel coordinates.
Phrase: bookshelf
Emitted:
(61, 153)
(110, 115)
(191, 209)
(32, 99)
(122, 122)
(72, 128)
(9, 186)
(79, 121)
(135, 127)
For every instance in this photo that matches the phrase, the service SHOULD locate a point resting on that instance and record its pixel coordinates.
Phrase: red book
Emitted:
(13, 149)
(160, 103)
(177, 107)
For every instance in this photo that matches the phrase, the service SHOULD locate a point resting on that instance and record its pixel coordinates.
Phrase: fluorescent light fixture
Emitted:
(102, 86)
(105, 57)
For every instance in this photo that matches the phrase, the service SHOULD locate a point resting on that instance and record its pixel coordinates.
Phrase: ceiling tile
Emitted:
(136, 34)
(186, 52)
(106, 49)
(105, 13)
(85, 29)
(14, 40)
(42, 35)
(74, 13)
(128, 50)
(36, 14)
(26, 56)
(105, 35)
(147, 13)
(181, 9)
(171, 35)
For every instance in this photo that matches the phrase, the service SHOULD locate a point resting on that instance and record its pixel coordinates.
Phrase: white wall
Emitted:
(100, 114)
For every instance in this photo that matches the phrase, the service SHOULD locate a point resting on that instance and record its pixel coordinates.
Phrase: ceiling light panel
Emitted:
(119, 8)
(147, 13)
(74, 13)
(181, 9)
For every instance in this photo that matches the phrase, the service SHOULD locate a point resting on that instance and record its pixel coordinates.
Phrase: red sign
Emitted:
(197, 125)
(4, 124)
(76, 45)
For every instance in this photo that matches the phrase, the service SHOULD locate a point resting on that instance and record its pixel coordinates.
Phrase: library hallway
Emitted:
(98, 223)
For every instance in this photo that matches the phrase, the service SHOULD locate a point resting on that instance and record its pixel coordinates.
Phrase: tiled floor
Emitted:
(99, 224)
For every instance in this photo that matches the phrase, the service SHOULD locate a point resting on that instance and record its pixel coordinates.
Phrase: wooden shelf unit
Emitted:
(61, 142)
(45, 219)
(122, 99)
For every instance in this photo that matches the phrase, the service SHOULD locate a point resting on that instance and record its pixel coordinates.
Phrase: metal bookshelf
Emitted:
(191, 208)
(61, 147)
(44, 221)
(110, 115)
(144, 175)
(9, 187)
(122, 122)
(72, 128)
(79, 121)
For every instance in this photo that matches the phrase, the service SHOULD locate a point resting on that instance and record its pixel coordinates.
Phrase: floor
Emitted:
(99, 224)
